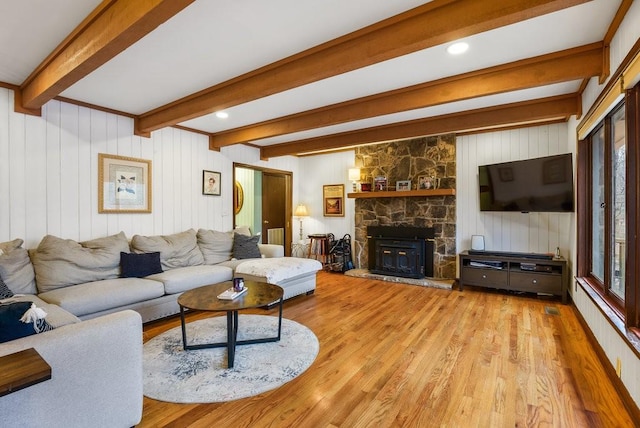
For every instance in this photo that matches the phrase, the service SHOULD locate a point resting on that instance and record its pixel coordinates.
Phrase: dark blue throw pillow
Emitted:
(134, 265)
(11, 327)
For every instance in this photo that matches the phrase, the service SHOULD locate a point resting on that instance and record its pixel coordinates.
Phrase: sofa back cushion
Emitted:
(216, 246)
(177, 250)
(16, 269)
(62, 262)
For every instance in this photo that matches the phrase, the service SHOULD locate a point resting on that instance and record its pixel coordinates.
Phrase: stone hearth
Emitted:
(423, 282)
(408, 160)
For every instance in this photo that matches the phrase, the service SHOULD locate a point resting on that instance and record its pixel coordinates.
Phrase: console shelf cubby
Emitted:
(516, 273)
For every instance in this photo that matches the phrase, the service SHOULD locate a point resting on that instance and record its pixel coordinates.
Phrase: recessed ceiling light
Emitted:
(222, 114)
(458, 48)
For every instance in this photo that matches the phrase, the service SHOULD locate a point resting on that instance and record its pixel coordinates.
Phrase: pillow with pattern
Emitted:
(246, 247)
(5, 293)
(11, 326)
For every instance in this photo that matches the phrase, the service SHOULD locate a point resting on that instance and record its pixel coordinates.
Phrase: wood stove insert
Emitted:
(404, 251)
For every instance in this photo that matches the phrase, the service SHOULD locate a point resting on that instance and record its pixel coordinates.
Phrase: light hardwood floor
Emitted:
(408, 356)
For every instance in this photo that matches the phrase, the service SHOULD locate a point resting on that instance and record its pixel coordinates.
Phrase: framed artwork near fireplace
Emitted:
(403, 185)
(333, 200)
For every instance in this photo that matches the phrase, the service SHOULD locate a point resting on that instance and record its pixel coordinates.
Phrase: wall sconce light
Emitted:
(300, 212)
(354, 175)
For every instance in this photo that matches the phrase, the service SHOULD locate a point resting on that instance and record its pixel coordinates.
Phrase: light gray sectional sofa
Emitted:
(85, 278)
(95, 350)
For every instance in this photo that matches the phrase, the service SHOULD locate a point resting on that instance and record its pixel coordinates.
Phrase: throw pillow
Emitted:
(216, 246)
(5, 293)
(63, 262)
(134, 265)
(16, 269)
(246, 247)
(243, 230)
(176, 250)
(10, 325)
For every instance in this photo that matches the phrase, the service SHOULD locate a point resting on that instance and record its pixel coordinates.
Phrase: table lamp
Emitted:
(354, 175)
(300, 212)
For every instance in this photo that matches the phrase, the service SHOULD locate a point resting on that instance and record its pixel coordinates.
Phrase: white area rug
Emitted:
(201, 376)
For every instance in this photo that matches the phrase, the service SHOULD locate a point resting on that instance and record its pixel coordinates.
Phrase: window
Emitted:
(606, 225)
(618, 212)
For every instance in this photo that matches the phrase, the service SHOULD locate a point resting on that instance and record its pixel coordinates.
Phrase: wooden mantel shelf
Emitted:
(403, 194)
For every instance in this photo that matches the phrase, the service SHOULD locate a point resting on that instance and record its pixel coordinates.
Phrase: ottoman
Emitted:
(296, 276)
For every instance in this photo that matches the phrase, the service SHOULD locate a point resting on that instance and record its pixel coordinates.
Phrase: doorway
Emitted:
(262, 201)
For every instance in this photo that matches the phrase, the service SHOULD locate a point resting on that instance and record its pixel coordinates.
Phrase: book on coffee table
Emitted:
(231, 294)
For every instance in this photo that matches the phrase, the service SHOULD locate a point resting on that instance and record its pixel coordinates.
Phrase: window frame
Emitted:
(627, 311)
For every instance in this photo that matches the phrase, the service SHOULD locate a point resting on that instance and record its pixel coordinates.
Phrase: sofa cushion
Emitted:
(5, 292)
(6, 247)
(16, 269)
(243, 230)
(280, 269)
(216, 246)
(177, 250)
(245, 247)
(63, 262)
(234, 263)
(56, 316)
(134, 265)
(11, 327)
(83, 299)
(186, 278)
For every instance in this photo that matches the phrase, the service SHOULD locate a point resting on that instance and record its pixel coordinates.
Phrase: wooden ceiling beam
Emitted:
(573, 64)
(110, 29)
(431, 24)
(535, 111)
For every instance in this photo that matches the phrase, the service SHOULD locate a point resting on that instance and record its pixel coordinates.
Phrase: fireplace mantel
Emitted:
(402, 193)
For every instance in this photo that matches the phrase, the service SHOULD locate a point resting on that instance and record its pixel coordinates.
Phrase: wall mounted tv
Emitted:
(533, 185)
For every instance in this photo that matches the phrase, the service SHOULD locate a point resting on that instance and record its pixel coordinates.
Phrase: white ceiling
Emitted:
(212, 41)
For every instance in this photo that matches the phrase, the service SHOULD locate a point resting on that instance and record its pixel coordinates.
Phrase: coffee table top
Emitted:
(206, 298)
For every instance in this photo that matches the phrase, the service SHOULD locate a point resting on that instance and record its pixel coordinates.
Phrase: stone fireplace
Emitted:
(432, 157)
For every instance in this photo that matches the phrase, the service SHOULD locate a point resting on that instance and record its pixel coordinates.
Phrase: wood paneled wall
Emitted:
(530, 232)
(48, 175)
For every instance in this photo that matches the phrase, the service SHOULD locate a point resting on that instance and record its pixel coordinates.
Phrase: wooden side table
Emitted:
(319, 248)
(21, 370)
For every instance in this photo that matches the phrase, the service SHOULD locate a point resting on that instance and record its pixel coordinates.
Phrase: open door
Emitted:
(274, 204)
(266, 206)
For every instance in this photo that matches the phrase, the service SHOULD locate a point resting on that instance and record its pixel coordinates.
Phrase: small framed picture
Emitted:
(333, 198)
(426, 183)
(380, 183)
(403, 185)
(211, 183)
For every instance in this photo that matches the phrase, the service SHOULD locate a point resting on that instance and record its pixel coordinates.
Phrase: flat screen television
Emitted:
(532, 185)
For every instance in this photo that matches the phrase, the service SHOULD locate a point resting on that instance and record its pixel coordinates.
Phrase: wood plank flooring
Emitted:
(397, 355)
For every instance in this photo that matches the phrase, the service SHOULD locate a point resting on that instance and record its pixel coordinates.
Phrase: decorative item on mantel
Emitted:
(354, 176)
(403, 185)
(380, 184)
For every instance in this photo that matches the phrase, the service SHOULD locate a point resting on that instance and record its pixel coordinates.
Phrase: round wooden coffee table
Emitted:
(206, 299)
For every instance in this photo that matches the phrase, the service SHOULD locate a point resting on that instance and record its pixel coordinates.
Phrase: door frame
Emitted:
(288, 210)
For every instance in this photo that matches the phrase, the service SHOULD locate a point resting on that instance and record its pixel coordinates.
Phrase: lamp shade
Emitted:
(354, 174)
(301, 211)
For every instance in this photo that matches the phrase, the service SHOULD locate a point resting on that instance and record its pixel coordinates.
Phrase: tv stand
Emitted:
(526, 272)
